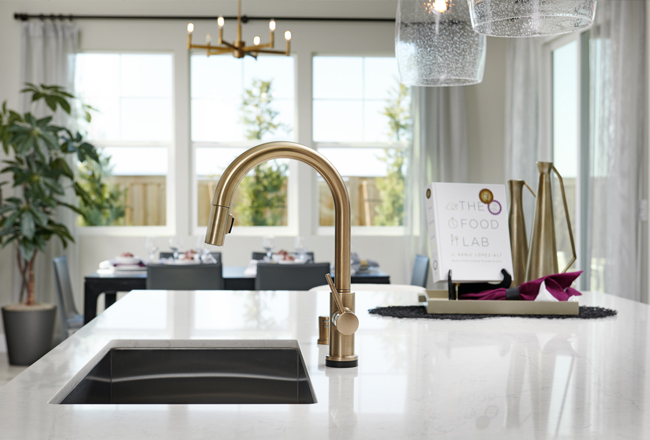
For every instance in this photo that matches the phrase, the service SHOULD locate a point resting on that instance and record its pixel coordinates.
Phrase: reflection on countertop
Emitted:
(498, 378)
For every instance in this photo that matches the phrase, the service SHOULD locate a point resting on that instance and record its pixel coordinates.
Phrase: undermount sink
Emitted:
(272, 374)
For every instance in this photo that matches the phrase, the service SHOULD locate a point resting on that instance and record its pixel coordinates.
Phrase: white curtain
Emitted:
(48, 49)
(523, 135)
(438, 154)
(617, 171)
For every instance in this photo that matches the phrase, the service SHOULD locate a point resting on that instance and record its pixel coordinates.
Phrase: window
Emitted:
(361, 123)
(262, 93)
(133, 127)
(566, 142)
(567, 106)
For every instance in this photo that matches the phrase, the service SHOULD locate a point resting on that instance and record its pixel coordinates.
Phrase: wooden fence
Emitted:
(146, 199)
(147, 205)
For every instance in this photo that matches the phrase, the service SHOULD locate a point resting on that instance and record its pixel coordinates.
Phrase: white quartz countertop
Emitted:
(498, 378)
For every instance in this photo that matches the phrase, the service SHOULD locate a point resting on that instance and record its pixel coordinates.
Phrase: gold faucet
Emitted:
(344, 322)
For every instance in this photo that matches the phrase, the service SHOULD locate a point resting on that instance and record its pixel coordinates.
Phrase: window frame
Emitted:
(583, 136)
(291, 229)
(138, 231)
(356, 230)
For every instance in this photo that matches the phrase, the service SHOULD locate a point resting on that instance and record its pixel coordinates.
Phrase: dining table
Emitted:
(234, 278)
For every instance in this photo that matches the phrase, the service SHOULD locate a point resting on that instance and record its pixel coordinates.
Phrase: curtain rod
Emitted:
(244, 18)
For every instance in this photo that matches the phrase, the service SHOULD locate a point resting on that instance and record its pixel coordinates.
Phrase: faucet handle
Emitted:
(344, 319)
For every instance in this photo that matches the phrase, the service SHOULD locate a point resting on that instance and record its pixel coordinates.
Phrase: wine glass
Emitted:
(301, 247)
(176, 245)
(151, 246)
(201, 248)
(267, 244)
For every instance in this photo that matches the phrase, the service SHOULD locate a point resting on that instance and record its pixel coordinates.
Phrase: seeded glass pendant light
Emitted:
(435, 44)
(531, 18)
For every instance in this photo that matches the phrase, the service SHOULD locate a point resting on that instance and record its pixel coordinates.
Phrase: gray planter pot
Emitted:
(28, 332)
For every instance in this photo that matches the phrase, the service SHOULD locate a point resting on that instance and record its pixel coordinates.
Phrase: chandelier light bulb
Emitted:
(287, 35)
(208, 38)
(190, 28)
(256, 41)
(272, 25)
(440, 6)
(220, 21)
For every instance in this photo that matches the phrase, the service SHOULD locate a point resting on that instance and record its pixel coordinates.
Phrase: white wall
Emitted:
(484, 102)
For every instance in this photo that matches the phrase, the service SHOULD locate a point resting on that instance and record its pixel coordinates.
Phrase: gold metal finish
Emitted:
(344, 319)
(542, 259)
(238, 48)
(220, 222)
(438, 303)
(323, 330)
(518, 236)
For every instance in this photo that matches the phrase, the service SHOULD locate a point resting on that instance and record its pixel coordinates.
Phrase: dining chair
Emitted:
(216, 255)
(420, 271)
(185, 277)
(259, 256)
(290, 276)
(71, 319)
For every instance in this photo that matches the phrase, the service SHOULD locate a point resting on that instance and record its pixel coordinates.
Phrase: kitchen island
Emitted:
(498, 378)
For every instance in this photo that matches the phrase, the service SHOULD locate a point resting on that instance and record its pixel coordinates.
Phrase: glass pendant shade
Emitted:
(435, 44)
(531, 18)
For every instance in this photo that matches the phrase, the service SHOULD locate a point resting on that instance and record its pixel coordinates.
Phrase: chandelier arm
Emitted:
(220, 51)
(211, 47)
(251, 54)
(230, 45)
(255, 48)
(281, 52)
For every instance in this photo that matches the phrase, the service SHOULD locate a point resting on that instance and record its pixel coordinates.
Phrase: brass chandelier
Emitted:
(238, 48)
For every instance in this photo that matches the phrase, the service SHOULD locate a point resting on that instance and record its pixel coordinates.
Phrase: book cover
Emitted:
(468, 231)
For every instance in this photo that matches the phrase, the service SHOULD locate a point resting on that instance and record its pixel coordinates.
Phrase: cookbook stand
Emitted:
(450, 302)
(457, 290)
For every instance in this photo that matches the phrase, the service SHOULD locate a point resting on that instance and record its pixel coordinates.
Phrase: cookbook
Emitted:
(468, 231)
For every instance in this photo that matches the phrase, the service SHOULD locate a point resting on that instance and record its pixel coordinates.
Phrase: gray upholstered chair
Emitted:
(216, 255)
(420, 271)
(290, 276)
(185, 277)
(71, 319)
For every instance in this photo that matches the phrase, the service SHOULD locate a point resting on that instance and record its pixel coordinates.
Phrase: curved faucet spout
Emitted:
(221, 221)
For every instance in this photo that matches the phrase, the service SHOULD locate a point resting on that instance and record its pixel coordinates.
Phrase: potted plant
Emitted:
(37, 151)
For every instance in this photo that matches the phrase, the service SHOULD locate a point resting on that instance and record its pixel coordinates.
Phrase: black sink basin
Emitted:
(195, 375)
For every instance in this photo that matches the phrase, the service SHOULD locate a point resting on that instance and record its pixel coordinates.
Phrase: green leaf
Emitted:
(27, 226)
(51, 140)
(7, 208)
(11, 220)
(26, 249)
(53, 185)
(72, 207)
(62, 165)
(40, 217)
(65, 105)
(51, 102)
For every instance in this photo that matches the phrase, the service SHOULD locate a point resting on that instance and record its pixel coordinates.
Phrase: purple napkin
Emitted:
(558, 285)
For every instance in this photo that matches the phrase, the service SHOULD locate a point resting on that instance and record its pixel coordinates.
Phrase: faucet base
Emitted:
(341, 364)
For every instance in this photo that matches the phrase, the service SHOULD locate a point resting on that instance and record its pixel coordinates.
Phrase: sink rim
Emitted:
(178, 344)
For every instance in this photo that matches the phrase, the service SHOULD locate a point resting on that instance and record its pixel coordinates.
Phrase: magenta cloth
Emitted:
(558, 285)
